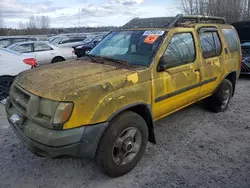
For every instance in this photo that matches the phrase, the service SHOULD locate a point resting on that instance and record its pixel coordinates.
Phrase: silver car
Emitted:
(44, 53)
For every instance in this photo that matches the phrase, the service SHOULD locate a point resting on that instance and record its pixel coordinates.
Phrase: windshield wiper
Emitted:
(121, 62)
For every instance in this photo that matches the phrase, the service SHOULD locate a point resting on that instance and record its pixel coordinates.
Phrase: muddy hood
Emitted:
(63, 79)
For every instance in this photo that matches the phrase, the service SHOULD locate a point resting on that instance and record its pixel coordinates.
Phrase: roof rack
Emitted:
(168, 22)
(181, 20)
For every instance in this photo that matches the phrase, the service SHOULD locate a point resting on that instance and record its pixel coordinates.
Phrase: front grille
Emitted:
(27, 104)
(246, 51)
(245, 67)
(20, 99)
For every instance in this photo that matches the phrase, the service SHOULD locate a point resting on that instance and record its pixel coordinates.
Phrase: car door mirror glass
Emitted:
(167, 62)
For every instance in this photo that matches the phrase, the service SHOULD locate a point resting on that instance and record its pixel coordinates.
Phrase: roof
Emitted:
(16, 37)
(29, 42)
(159, 22)
(169, 22)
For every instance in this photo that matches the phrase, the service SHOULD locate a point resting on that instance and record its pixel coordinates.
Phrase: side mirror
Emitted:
(169, 61)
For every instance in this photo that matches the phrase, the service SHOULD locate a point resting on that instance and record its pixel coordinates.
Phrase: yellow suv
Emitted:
(104, 105)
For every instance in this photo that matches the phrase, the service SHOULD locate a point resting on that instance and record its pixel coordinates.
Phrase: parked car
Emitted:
(88, 44)
(243, 29)
(44, 53)
(104, 105)
(245, 67)
(12, 63)
(7, 41)
(68, 41)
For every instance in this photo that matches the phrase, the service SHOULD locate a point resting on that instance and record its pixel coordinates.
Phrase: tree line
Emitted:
(232, 10)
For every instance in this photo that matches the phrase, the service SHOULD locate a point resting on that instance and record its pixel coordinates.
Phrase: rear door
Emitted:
(44, 54)
(212, 59)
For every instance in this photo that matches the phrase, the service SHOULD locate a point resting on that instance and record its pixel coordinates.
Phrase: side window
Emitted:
(23, 48)
(211, 44)
(4, 43)
(65, 42)
(181, 50)
(18, 40)
(232, 39)
(41, 47)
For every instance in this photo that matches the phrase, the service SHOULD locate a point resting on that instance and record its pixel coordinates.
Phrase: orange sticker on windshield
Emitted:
(151, 39)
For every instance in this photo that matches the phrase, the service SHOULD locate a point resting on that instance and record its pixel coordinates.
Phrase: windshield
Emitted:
(88, 39)
(134, 47)
(12, 46)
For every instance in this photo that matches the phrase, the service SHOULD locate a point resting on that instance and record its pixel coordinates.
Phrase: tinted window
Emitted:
(232, 39)
(210, 43)
(76, 40)
(181, 49)
(41, 47)
(4, 42)
(65, 42)
(18, 40)
(24, 48)
(98, 39)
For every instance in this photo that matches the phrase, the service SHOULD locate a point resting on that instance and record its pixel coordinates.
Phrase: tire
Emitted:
(5, 83)
(57, 59)
(118, 139)
(220, 100)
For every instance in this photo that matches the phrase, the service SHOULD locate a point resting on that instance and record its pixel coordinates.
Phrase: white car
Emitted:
(12, 63)
(43, 52)
(68, 41)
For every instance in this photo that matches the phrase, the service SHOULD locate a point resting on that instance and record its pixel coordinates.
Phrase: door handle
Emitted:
(197, 70)
(226, 51)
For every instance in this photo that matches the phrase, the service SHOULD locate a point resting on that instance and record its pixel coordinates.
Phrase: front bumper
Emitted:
(78, 142)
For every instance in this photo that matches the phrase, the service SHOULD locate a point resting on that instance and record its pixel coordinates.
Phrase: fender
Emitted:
(147, 116)
(234, 72)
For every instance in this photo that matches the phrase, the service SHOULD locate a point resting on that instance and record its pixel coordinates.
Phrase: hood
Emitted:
(60, 80)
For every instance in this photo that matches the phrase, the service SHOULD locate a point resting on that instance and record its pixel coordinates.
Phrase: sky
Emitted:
(92, 13)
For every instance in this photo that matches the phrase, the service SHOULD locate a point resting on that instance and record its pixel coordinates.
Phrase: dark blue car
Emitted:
(87, 45)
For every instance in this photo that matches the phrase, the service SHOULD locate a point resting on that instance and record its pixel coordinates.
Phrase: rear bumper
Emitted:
(78, 142)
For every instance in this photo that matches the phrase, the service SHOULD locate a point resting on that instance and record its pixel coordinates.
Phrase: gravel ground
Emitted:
(195, 148)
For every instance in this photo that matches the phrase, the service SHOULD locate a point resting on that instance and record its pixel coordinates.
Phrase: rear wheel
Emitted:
(220, 100)
(5, 83)
(123, 144)
(58, 59)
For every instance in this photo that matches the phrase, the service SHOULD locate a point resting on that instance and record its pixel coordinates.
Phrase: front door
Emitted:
(178, 85)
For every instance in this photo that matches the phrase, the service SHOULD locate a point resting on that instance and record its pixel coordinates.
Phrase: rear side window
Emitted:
(210, 43)
(232, 39)
(23, 48)
(41, 47)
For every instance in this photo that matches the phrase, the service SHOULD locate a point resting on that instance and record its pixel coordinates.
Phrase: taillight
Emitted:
(30, 61)
(73, 52)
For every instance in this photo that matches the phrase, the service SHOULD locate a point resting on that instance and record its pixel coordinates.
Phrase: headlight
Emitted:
(63, 113)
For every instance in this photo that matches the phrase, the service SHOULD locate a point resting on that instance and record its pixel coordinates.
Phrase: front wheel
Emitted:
(123, 144)
(220, 100)
(5, 83)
